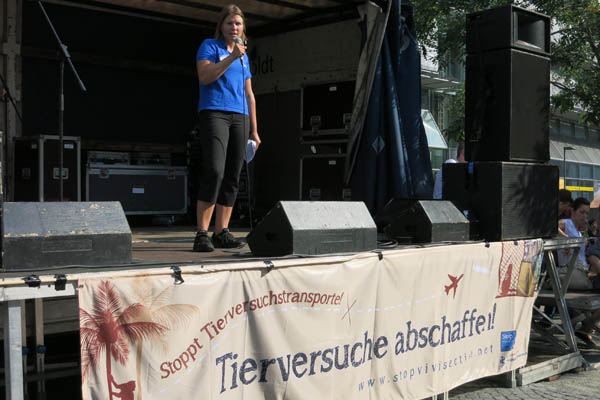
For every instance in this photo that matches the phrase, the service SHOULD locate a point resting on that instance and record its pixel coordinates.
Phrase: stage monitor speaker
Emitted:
(422, 221)
(40, 235)
(314, 227)
(507, 107)
(510, 200)
(508, 27)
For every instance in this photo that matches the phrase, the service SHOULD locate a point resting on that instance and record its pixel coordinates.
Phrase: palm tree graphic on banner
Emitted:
(159, 310)
(109, 326)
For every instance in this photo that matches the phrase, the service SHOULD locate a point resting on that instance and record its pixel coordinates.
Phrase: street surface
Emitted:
(569, 385)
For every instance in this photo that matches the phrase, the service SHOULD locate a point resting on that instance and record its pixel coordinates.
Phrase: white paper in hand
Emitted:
(250, 150)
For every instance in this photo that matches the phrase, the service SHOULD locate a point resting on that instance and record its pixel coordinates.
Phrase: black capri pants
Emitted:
(223, 136)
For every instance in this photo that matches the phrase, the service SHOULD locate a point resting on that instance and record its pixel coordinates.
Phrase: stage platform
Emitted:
(155, 246)
(174, 244)
(225, 280)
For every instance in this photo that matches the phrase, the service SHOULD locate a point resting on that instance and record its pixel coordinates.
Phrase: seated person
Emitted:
(582, 276)
(593, 225)
(571, 227)
(592, 252)
(592, 231)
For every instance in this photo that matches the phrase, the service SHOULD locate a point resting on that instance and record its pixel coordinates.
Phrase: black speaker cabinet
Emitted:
(52, 234)
(510, 200)
(422, 221)
(37, 168)
(327, 107)
(314, 227)
(507, 107)
(323, 177)
(508, 27)
(279, 120)
(322, 164)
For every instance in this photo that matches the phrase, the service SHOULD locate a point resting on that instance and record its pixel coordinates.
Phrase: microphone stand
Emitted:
(64, 56)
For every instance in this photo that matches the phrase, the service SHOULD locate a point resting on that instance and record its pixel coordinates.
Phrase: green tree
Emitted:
(575, 47)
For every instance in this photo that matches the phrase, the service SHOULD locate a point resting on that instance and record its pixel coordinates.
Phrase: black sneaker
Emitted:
(225, 240)
(202, 242)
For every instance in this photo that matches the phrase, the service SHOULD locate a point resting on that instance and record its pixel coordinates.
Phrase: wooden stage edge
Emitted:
(154, 244)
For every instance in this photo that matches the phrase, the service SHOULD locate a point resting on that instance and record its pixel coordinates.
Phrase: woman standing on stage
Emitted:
(227, 115)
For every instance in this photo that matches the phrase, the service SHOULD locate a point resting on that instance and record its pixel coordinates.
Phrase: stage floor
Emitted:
(174, 244)
(152, 246)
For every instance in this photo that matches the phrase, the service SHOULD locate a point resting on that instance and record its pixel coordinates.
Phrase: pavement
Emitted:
(576, 384)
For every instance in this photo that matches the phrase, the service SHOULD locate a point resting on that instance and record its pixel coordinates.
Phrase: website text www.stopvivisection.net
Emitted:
(429, 368)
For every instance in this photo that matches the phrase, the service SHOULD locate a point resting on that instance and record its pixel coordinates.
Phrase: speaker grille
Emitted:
(509, 200)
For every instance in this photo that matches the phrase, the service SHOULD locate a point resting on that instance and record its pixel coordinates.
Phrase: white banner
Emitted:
(409, 324)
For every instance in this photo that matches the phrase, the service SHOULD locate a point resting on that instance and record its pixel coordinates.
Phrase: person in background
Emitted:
(584, 272)
(565, 207)
(593, 249)
(227, 115)
(460, 157)
(584, 228)
(592, 230)
(565, 202)
(572, 226)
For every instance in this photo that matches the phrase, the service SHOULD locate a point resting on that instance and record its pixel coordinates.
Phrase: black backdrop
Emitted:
(126, 102)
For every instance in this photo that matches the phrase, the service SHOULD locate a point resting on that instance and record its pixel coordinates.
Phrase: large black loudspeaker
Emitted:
(422, 221)
(507, 86)
(507, 109)
(509, 200)
(37, 235)
(508, 27)
(314, 227)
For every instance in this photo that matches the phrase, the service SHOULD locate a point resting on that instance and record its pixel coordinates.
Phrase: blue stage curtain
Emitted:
(392, 158)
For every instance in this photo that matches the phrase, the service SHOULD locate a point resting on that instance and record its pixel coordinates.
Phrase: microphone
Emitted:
(240, 40)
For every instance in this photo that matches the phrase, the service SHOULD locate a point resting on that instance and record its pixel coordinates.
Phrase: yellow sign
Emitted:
(561, 185)
(580, 188)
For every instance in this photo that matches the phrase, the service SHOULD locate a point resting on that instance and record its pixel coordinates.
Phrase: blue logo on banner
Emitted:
(507, 340)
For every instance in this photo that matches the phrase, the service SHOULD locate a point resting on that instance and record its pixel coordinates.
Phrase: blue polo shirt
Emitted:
(227, 93)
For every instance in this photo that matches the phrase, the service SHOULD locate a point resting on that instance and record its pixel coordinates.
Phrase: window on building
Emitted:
(453, 69)
(586, 171)
(438, 156)
(579, 131)
(425, 103)
(566, 129)
(555, 127)
(572, 170)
